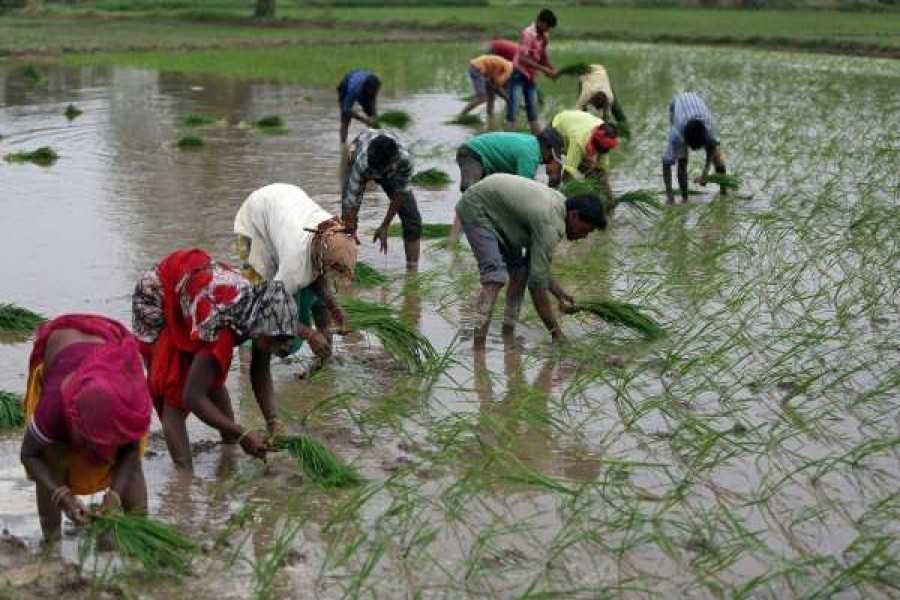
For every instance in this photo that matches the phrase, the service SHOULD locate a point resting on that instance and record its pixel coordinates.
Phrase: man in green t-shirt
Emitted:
(513, 225)
(505, 152)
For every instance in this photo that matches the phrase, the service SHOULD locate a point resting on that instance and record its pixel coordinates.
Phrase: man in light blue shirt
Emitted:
(693, 127)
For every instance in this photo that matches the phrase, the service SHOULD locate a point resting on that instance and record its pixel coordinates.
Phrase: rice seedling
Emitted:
(467, 120)
(272, 124)
(318, 462)
(581, 187)
(644, 201)
(18, 319)
(431, 178)
(12, 412)
(154, 544)
(73, 112)
(190, 142)
(198, 120)
(395, 118)
(31, 73)
(404, 342)
(366, 275)
(576, 69)
(429, 230)
(43, 156)
(725, 180)
(625, 314)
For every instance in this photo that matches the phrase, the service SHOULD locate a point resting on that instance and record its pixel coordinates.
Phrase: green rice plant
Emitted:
(395, 118)
(73, 112)
(581, 187)
(576, 69)
(404, 342)
(154, 544)
(644, 201)
(272, 124)
(625, 314)
(431, 178)
(31, 73)
(467, 120)
(190, 142)
(725, 180)
(366, 275)
(429, 230)
(198, 120)
(43, 156)
(17, 319)
(318, 462)
(12, 412)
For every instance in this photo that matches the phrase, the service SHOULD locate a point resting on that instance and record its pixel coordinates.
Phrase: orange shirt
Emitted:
(495, 68)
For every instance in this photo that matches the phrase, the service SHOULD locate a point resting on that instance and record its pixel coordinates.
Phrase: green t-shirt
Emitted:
(305, 299)
(526, 216)
(507, 152)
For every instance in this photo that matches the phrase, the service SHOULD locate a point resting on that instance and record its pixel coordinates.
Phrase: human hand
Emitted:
(318, 343)
(381, 237)
(340, 320)
(274, 428)
(567, 304)
(74, 509)
(112, 502)
(700, 180)
(251, 445)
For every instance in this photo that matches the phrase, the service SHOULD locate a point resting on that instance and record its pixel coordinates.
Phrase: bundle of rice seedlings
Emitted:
(318, 462)
(581, 187)
(576, 69)
(625, 314)
(645, 201)
(18, 319)
(429, 230)
(725, 180)
(31, 73)
(12, 412)
(198, 120)
(73, 112)
(271, 124)
(190, 142)
(468, 120)
(395, 118)
(405, 343)
(43, 156)
(156, 545)
(431, 178)
(366, 275)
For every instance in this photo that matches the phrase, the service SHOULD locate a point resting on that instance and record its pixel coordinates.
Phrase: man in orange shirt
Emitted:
(489, 74)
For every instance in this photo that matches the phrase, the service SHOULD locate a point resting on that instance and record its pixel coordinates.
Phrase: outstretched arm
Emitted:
(541, 300)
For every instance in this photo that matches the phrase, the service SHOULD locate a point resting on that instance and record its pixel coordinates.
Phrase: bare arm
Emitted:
(667, 180)
(565, 300)
(541, 300)
(529, 62)
(32, 456)
(261, 382)
(200, 377)
(127, 463)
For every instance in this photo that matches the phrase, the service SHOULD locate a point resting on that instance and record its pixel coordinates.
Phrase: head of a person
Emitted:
(272, 318)
(551, 144)
(369, 94)
(604, 138)
(382, 152)
(584, 213)
(600, 101)
(106, 401)
(695, 134)
(334, 254)
(546, 20)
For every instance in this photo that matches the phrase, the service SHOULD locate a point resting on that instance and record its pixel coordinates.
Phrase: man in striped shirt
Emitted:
(693, 127)
(379, 156)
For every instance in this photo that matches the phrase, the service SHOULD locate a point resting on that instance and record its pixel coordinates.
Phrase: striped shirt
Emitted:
(684, 108)
(394, 177)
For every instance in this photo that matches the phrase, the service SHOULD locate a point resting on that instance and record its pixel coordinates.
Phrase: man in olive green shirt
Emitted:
(513, 225)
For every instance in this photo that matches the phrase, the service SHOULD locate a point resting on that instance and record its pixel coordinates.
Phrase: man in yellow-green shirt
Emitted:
(587, 139)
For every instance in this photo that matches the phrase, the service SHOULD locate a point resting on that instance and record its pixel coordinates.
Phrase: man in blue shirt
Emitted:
(693, 127)
(358, 86)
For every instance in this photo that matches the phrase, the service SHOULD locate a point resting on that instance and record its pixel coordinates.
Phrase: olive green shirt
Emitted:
(527, 217)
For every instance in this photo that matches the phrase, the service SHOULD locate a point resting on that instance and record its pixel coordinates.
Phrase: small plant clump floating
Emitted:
(625, 314)
(576, 69)
(467, 120)
(18, 319)
(31, 73)
(725, 180)
(272, 124)
(394, 118)
(43, 156)
(431, 178)
(12, 412)
(404, 342)
(154, 544)
(190, 142)
(318, 462)
(73, 112)
(429, 230)
(198, 120)
(366, 275)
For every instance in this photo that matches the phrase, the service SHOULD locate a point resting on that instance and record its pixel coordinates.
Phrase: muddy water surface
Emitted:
(751, 452)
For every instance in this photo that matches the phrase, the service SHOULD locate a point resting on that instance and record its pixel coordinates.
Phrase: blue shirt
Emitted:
(684, 108)
(350, 89)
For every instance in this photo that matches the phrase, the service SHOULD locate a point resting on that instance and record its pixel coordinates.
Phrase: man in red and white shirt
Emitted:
(530, 59)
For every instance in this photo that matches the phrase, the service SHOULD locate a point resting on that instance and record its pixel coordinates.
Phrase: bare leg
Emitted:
(345, 129)
(134, 500)
(175, 432)
(484, 308)
(411, 247)
(515, 292)
(456, 230)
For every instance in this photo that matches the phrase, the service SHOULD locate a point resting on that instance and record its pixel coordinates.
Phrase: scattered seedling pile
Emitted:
(394, 118)
(366, 275)
(19, 320)
(198, 120)
(429, 230)
(431, 178)
(154, 544)
(12, 413)
(318, 462)
(272, 124)
(625, 314)
(403, 341)
(73, 112)
(190, 142)
(43, 156)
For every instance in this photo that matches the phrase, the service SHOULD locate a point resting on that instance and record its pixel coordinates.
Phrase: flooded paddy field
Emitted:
(753, 453)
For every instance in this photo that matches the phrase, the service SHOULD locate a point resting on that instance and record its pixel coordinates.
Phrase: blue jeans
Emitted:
(529, 91)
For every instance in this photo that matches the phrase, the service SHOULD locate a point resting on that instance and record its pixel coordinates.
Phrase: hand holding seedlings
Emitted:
(251, 445)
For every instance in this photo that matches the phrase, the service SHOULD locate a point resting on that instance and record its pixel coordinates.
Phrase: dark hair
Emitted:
(695, 134)
(381, 152)
(551, 139)
(589, 209)
(548, 17)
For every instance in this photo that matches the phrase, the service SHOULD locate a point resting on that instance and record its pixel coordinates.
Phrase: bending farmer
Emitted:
(489, 74)
(594, 89)
(358, 86)
(693, 127)
(588, 140)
